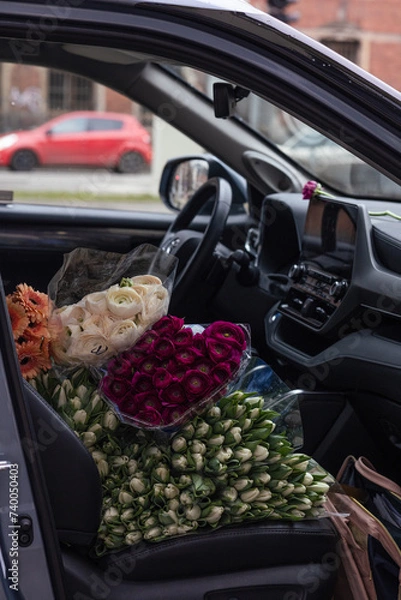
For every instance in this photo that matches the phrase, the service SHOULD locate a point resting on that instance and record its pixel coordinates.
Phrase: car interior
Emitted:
(318, 282)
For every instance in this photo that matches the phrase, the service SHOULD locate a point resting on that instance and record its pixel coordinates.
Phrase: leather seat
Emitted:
(267, 559)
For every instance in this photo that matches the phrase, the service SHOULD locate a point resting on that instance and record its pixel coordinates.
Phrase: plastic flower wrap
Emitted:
(28, 311)
(103, 302)
(174, 371)
(226, 466)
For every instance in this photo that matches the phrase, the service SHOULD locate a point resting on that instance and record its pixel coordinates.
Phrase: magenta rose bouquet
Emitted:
(174, 371)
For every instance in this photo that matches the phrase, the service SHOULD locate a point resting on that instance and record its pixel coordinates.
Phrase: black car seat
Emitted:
(266, 560)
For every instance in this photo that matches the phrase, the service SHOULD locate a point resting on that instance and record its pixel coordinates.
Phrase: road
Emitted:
(83, 187)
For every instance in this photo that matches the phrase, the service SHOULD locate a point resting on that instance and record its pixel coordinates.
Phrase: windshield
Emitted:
(324, 160)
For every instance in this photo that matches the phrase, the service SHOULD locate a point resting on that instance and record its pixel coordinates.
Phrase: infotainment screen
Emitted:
(329, 236)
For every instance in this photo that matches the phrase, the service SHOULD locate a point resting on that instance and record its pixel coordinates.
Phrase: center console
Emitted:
(320, 280)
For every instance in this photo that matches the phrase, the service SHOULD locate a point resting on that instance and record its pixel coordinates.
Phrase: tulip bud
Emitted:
(179, 444)
(216, 440)
(153, 533)
(264, 495)
(173, 504)
(80, 417)
(96, 429)
(184, 480)
(62, 398)
(203, 430)
(67, 386)
(98, 455)
(111, 515)
(132, 466)
(198, 461)
(244, 468)
(243, 454)
(119, 461)
(75, 403)
(171, 491)
(307, 479)
(249, 495)
(288, 489)
(243, 483)
(110, 421)
(188, 431)
(260, 453)
(193, 513)
(88, 438)
(162, 473)
(198, 447)
(214, 412)
(137, 485)
(170, 530)
(133, 538)
(229, 494)
(125, 497)
(213, 514)
(262, 479)
(224, 454)
(179, 461)
(319, 487)
(96, 404)
(103, 468)
(186, 499)
(233, 436)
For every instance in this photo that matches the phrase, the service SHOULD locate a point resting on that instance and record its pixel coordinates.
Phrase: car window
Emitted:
(70, 126)
(79, 173)
(104, 124)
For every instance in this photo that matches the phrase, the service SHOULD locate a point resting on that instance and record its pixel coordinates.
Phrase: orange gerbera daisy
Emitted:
(35, 303)
(37, 331)
(32, 359)
(19, 319)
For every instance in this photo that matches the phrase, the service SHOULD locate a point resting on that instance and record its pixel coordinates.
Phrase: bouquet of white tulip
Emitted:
(223, 467)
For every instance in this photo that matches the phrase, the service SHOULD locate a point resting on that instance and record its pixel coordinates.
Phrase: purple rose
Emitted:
(184, 338)
(196, 383)
(149, 364)
(163, 348)
(146, 341)
(141, 382)
(173, 415)
(219, 351)
(309, 189)
(169, 325)
(204, 365)
(221, 373)
(228, 333)
(161, 379)
(149, 416)
(185, 356)
(173, 394)
(115, 389)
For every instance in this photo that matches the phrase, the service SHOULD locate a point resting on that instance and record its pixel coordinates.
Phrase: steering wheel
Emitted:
(194, 249)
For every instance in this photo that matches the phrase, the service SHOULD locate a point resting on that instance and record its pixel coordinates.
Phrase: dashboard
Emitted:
(341, 263)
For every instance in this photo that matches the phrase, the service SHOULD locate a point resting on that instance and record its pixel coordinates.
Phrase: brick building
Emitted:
(367, 32)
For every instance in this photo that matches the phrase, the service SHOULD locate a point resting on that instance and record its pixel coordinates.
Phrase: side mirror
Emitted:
(183, 176)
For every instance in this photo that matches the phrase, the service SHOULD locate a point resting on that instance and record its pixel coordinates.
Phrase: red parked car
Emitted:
(87, 138)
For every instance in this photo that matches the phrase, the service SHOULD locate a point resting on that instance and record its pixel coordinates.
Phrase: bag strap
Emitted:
(367, 470)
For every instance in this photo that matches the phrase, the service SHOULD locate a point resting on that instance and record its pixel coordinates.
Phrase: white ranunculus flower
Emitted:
(95, 303)
(72, 315)
(145, 281)
(124, 334)
(91, 349)
(155, 306)
(124, 302)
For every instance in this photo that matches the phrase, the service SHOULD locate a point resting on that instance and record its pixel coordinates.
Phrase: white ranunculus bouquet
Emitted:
(102, 303)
